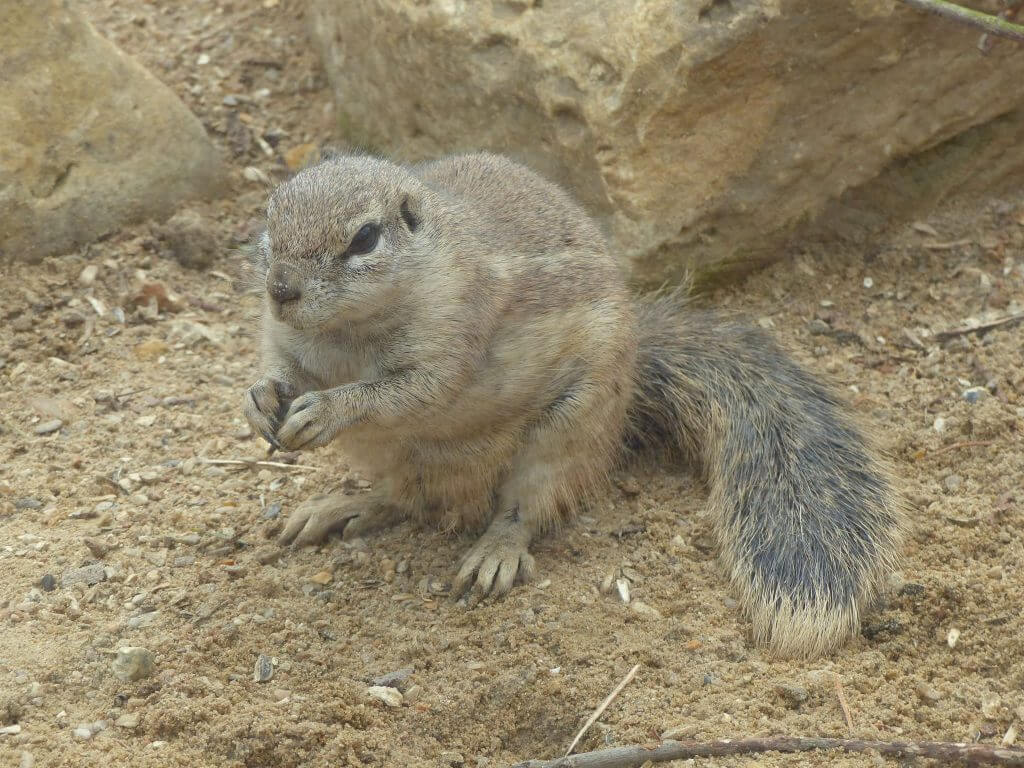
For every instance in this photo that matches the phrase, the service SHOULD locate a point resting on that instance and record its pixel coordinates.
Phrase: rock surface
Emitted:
(701, 134)
(89, 140)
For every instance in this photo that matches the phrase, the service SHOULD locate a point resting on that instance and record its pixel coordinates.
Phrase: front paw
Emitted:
(313, 420)
(265, 404)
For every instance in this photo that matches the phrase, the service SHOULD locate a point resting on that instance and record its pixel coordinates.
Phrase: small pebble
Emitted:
(48, 582)
(252, 173)
(133, 663)
(644, 609)
(818, 327)
(10, 730)
(72, 319)
(28, 760)
(234, 571)
(990, 706)
(323, 578)
(390, 696)
(143, 620)
(394, 679)
(952, 637)
(678, 732)
(974, 394)
(128, 720)
(272, 511)
(88, 275)
(952, 482)
(793, 695)
(88, 575)
(28, 503)
(622, 585)
(928, 693)
(96, 547)
(1010, 736)
(413, 694)
(939, 425)
(83, 733)
(868, 282)
(47, 427)
(264, 669)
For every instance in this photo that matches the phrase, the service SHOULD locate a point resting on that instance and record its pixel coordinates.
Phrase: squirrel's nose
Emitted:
(282, 286)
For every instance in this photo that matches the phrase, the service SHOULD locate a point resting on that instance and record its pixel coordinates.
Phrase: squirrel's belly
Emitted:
(449, 483)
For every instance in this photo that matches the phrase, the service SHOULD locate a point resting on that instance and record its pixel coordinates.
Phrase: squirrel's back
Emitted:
(515, 210)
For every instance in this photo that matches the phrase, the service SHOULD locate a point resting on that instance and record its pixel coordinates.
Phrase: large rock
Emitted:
(89, 140)
(701, 133)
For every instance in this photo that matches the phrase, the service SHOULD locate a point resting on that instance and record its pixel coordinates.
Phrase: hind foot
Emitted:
(499, 559)
(322, 515)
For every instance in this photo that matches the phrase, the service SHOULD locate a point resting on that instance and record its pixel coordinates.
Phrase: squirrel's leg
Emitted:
(328, 513)
(315, 418)
(567, 458)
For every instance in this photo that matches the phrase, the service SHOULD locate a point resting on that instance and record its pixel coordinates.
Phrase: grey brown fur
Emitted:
(486, 360)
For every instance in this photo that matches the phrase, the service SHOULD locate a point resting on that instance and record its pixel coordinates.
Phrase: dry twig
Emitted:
(965, 329)
(947, 246)
(637, 755)
(993, 25)
(964, 444)
(602, 707)
(843, 705)
(256, 463)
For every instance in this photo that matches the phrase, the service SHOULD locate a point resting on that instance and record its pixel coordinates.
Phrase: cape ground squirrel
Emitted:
(460, 327)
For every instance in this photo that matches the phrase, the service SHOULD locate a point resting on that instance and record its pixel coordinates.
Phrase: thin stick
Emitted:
(1008, 320)
(965, 444)
(637, 755)
(602, 707)
(843, 705)
(965, 329)
(991, 24)
(947, 246)
(255, 463)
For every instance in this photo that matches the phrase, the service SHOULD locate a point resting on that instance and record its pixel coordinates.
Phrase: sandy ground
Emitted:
(144, 396)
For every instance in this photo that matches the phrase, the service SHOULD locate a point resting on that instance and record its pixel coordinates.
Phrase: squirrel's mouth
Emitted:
(287, 313)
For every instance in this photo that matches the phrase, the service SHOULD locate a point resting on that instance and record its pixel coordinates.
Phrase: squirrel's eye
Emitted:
(365, 240)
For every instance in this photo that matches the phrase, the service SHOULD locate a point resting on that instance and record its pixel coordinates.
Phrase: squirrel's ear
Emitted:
(410, 213)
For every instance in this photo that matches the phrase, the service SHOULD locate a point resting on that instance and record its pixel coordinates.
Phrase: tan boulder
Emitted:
(701, 133)
(89, 140)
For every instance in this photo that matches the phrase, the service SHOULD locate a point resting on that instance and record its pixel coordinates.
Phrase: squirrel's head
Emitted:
(338, 241)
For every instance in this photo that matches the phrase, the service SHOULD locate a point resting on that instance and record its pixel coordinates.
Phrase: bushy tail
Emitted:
(804, 515)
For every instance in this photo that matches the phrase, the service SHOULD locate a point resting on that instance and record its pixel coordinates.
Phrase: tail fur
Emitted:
(805, 518)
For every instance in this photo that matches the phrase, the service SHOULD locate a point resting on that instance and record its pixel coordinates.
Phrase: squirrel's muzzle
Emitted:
(283, 284)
